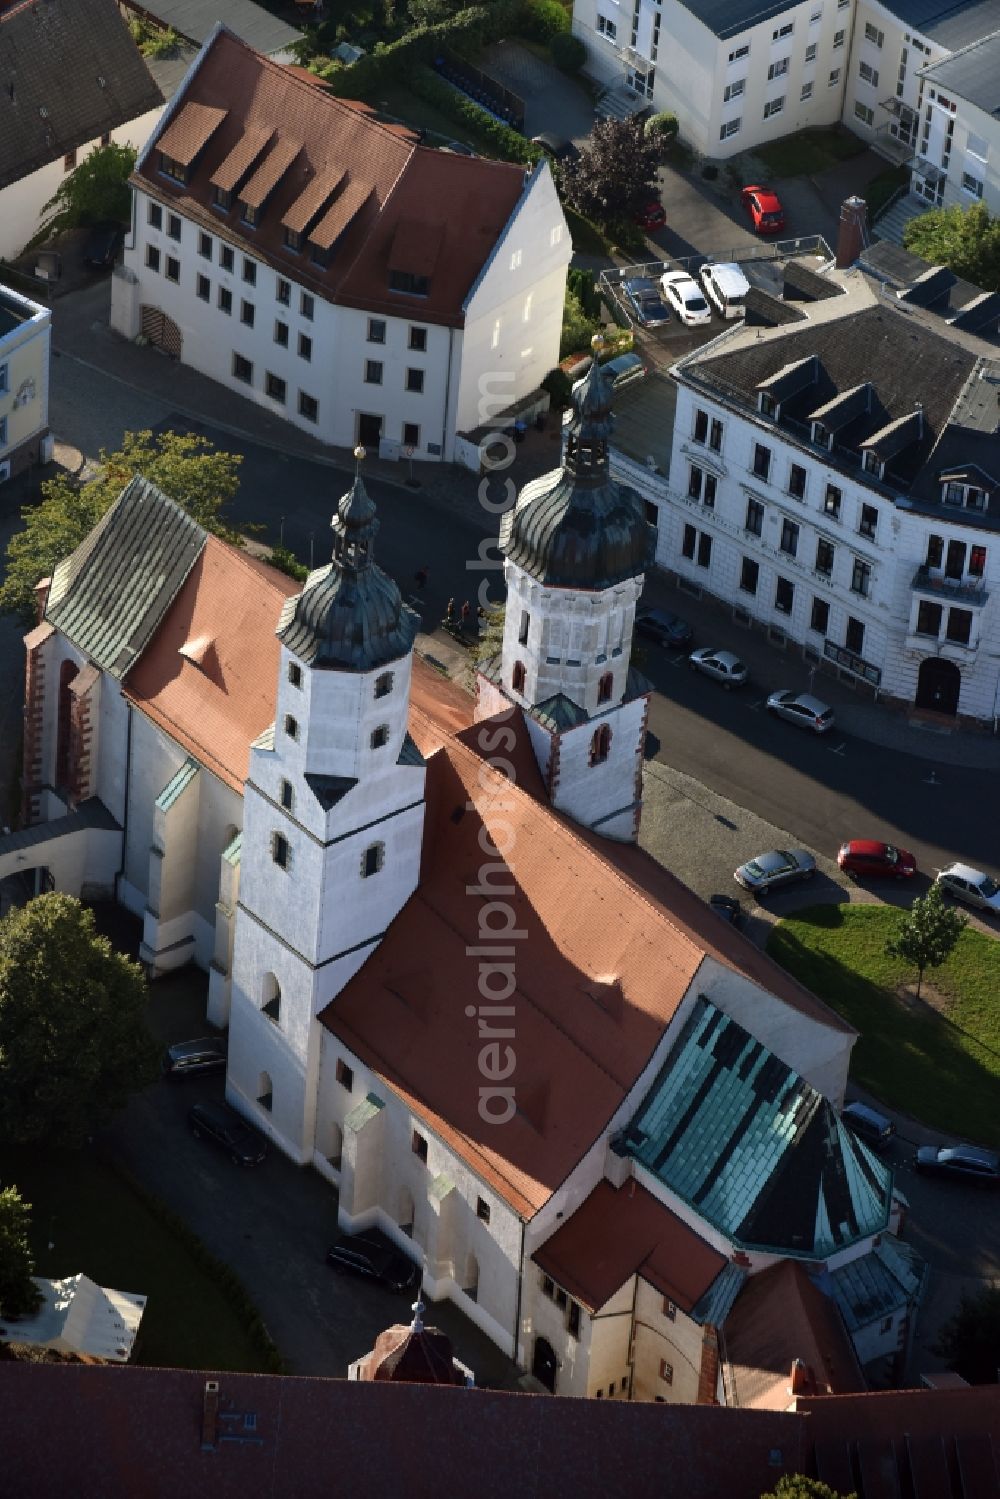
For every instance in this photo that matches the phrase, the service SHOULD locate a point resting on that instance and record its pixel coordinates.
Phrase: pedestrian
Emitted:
(466, 614)
(449, 613)
(421, 575)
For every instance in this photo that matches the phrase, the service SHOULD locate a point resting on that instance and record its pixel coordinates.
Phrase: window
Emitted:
(838, 40)
(784, 596)
(287, 795)
(972, 185)
(227, 257)
(249, 272)
(755, 518)
(205, 246)
(246, 313)
(281, 334)
(376, 330)
(305, 347)
(811, 51)
(694, 483)
(225, 301)
(749, 573)
(789, 537)
(977, 561)
(409, 284)
(854, 637)
(372, 860)
(777, 69)
(307, 306)
(222, 198)
(291, 726)
(380, 736)
(805, 92)
(611, 1388)
(173, 227)
(731, 127)
(69, 161)
(666, 1371)
(152, 257)
(861, 578)
(280, 851)
(831, 501)
(600, 745)
(688, 542)
(868, 74)
(373, 372)
(295, 673)
(774, 107)
(172, 270)
(517, 676)
(548, 1288)
(573, 1323)
(605, 687)
(797, 481)
(203, 288)
(275, 387)
(872, 34)
(308, 407)
(824, 557)
(834, 78)
(819, 619)
(242, 369)
(419, 1146)
(708, 495)
(740, 52)
(607, 28)
(785, 30)
(418, 340)
(411, 435)
(929, 618)
(669, 1309)
(523, 627)
(283, 292)
(761, 460)
(734, 90)
(415, 381)
(935, 551)
(383, 684)
(701, 426)
(704, 549)
(715, 436)
(954, 565)
(959, 629)
(293, 241)
(865, 115)
(345, 1075)
(156, 216)
(869, 521)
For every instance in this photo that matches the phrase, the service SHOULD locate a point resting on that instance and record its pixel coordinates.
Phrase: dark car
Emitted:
(102, 245)
(966, 1163)
(729, 908)
(191, 1058)
(374, 1257)
(555, 146)
(774, 870)
(864, 858)
(224, 1127)
(663, 627)
(645, 303)
(872, 1127)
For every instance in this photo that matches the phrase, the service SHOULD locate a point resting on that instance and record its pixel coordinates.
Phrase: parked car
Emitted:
(621, 371)
(721, 666)
(641, 295)
(373, 1257)
(101, 246)
(555, 146)
(774, 870)
(663, 627)
(458, 148)
(729, 908)
(803, 709)
(967, 1163)
(726, 288)
(874, 1128)
(764, 208)
(224, 1127)
(651, 215)
(863, 858)
(685, 297)
(972, 886)
(192, 1058)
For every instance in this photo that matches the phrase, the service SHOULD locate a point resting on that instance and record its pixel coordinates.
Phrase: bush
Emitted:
(582, 285)
(662, 127)
(559, 386)
(627, 236)
(507, 143)
(541, 20)
(577, 328)
(466, 32)
(286, 562)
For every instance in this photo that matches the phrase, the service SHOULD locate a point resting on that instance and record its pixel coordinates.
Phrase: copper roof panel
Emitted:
(313, 199)
(342, 210)
(241, 158)
(270, 172)
(189, 131)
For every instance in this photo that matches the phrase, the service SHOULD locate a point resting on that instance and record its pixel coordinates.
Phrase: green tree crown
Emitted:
(966, 240)
(95, 192)
(19, 1296)
(926, 934)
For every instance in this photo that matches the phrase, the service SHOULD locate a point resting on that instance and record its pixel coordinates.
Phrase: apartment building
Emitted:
(25, 336)
(292, 247)
(959, 147)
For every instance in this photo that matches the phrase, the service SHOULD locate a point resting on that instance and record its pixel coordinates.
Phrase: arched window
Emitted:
(295, 674)
(287, 795)
(380, 736)
(372, 859)
(265, 1091)
(271, 998)
(600, 745)
(525, 625)
(67, 674)
(517, 676)
(605, 686)
(281, 851)
(383, 684)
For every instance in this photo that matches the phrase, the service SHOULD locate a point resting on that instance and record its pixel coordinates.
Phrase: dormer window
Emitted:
(223, 199)
(873, 464)
(965, 495)
(293, 240)
(822, 436)
(407, 282)
(250, 215)
(172, 169)
(767, 405)
(319, 255)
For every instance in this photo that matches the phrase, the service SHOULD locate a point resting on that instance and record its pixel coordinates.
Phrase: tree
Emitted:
(926, 934)
(615, 171)
(568, 52)
(662, 128)
(19, 1296)
(95, 192)
(966, 240)
(970, 1340)
(797, 1486)
(73, 1039)
(190, 469)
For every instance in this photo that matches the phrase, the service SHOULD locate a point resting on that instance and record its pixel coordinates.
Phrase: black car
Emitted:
(191, 1058)
(102, 245)
(555, 146)
(966, 1163)
(223, 1126)
(729, 908)
(663, 627)
(374, 1257)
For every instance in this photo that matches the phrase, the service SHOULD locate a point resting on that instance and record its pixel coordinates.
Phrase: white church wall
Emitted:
(590, 792)
(155, 759)
(112, 763)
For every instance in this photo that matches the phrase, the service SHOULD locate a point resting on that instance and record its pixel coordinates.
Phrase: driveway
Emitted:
(552, 101)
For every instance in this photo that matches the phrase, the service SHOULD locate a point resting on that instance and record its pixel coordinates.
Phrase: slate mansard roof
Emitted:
(70, 73)
(753, 1148)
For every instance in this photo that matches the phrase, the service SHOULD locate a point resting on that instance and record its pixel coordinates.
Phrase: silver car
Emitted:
(721, 666)
(803, 709)
(972, 886)
(775, 870)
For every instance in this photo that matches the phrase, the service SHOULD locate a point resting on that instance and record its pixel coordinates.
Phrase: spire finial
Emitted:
(359, 458)
(417, 1325)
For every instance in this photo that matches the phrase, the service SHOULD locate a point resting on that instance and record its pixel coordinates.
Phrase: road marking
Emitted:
(840, 748)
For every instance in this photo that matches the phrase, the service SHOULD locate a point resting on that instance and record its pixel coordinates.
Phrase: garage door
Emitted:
(161, 330)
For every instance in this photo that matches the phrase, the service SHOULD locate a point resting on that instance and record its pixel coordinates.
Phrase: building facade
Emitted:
(25, 339)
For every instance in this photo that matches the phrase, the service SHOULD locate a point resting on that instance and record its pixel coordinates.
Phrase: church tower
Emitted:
(332, 823)
(576, 547)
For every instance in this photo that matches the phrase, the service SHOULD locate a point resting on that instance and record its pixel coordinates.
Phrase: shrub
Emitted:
(581, 283)
(577, 327)
(507, 143)
(466, 32)
(662, 127)
(286, 562)
(559, 386)
(627, 236)
(541, 20)
(568, 52)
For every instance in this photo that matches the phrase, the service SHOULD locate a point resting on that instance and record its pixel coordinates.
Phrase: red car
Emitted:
(651, 215)
(864, 858)
(764, 207)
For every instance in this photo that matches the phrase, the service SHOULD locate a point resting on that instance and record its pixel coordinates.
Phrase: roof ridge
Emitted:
(250, 563)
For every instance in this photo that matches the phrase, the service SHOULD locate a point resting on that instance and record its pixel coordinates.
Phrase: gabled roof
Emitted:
(70, 73)
(753, 1148)
(869, 1288)
(252, 23)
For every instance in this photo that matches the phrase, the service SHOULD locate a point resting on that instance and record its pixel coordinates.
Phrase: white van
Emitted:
(726, 288)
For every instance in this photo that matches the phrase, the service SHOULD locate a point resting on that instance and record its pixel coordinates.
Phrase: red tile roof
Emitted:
(376, 181)
(619, 1232)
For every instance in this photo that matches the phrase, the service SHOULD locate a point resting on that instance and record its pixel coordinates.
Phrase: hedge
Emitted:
(506, 142)
(468, 31)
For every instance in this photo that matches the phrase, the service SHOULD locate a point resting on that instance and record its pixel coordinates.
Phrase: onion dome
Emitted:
(577, 527)
(413, 1355)
(350, 615)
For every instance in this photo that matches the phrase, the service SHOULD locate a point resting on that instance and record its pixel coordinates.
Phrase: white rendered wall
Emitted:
(677, 1340)
(25, 352)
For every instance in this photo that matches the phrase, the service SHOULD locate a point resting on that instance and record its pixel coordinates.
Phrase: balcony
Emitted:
(971, 591)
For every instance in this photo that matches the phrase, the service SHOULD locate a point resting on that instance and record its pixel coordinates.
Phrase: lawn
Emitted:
(97, 1224)
(400, 104)
(809, 151)
(941, 1068)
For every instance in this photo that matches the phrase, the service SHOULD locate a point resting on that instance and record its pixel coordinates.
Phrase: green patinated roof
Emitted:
(869, 1288)
(409, 754)
(177, 785)
(111, 593)
(753, 1147)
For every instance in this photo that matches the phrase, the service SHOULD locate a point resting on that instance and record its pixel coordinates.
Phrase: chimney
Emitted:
(209, 1413)
(801, 1380)
(853, 231)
